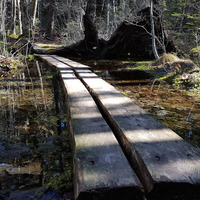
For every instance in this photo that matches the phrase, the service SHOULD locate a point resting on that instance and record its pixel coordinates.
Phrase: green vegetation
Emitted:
(50, 46)
(179, 77)
(143, 65)
(61, 183)
(165, 58)
(195, 52)
(182, 18)
(13, 36)
(185, 77)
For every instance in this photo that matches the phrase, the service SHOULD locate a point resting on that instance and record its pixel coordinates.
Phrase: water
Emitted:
(34, 143)
(175, 108)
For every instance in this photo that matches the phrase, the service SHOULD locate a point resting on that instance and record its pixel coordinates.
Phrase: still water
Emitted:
(34, 143)
(177, 109)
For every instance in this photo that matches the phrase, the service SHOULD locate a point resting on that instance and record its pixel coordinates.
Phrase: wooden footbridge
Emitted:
(119, 151)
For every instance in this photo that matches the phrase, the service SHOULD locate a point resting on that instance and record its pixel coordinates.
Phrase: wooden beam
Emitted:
(167, 157)
(101, 169)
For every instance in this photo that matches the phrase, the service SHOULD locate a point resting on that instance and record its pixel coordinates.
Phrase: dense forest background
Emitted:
(63, 19)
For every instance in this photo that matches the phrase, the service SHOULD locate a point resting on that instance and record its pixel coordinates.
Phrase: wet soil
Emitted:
(35, 157)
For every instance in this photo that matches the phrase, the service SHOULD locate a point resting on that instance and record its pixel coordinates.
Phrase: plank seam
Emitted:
(129, 150)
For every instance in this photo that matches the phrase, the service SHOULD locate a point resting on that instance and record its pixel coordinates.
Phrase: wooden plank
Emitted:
(168, 158)
(100, 168)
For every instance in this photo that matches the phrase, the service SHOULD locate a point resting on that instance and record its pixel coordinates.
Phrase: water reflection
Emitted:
(176, 109)
(34, 148)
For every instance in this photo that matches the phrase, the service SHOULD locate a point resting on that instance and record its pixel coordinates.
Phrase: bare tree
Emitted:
(155, 52)
(107, 16)
(19, 16)
(35, 3)
(3, 47)
(14, 16)
(114, 13)
(123, 4)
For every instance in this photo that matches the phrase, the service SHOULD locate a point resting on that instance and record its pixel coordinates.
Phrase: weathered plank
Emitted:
(167, 157)
(100, 168)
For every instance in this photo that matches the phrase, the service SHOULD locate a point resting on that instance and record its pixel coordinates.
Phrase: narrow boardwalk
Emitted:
(157, 162)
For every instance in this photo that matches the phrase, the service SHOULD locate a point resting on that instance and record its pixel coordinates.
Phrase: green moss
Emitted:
(141, 65)
(169, 78)
(166, 58)
(30, 57)
(195, 52)
(50, 46)
(64, 182)
(13, 36)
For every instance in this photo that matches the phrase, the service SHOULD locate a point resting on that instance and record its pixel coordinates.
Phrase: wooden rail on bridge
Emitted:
(157, 163)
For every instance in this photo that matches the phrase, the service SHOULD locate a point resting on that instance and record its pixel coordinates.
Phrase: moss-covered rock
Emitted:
(181, 73)
(185, 65)
(170, 58)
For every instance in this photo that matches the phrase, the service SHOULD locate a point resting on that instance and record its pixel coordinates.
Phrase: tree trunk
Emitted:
(107, 16)
(123, 10)
(35, 3)
(114, 13)
(3, 51)
(14, 16)
(2, 16)
(50, 19)
(91, 9)
(20, 17)
(91, 34)
(153, 31)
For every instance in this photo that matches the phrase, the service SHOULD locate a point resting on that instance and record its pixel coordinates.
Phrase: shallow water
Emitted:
(176, 109)
(34, 141)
